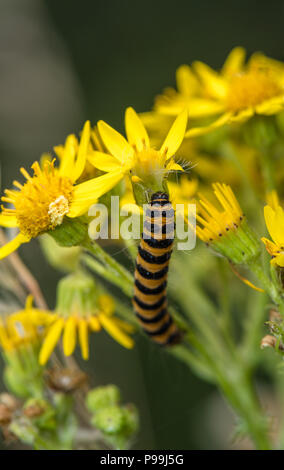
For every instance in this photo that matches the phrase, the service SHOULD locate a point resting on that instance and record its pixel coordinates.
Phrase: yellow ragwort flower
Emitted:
(19, 329)
(135, 156)
(41, 203)
(213, 222)
(234, 94)
(81, 324)
(274, 219)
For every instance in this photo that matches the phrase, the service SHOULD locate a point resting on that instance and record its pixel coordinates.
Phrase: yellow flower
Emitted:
(72, 144)
(41, 203)
(19, 329)
(213, 222)
(274, 219)
(188, 95)
(226, 229)
(135, 156)
(242, 89)
(82, 324)
(234, 94)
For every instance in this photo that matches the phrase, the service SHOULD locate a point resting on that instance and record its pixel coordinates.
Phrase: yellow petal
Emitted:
(270, 246)
(50, 341)
(275, 224)
(272, 199)
(8, 221)
(13, 245)
(94, 323)
(83, 338)
(135, 130)
(82, 152)
(272, 106)
(69, 336)
(124, 325)
(29, 302)
(106, 303)
(173, 166)
(67, 155)
(243, 115)
(221, 121)
(200, 107)
(234, 62)
(215, 85)
(279, 260)
(115, 142)
(114, 331)
(87, 193)
(187, 83)
(104, 161)
(175, 135)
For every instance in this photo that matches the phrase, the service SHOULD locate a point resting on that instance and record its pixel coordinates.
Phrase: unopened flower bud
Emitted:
(9, 400)
(270, 341)
(5, 414)
(274, 315)
(102, 397)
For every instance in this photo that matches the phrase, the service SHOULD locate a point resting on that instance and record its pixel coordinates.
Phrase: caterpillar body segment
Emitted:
(150, 289)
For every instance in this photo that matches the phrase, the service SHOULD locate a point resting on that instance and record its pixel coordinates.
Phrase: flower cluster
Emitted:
(216, 141)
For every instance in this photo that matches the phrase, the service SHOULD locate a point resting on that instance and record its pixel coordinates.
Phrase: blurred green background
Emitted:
(63, 62)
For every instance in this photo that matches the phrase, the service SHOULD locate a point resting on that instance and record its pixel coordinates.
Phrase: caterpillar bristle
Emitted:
(154, 253)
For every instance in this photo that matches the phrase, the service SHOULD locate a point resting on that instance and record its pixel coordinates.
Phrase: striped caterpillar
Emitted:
(154, 252)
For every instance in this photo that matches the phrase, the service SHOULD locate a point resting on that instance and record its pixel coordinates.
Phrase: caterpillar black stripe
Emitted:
(154, 252)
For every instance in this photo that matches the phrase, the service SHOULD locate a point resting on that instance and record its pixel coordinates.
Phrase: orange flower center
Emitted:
(251, 88)
(42, 201)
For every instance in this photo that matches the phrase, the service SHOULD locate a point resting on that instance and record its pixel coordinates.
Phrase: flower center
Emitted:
(149, 164)
(251, 88)
(42, 201)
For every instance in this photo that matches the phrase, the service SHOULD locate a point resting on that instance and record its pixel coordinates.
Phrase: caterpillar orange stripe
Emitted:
(154, 253)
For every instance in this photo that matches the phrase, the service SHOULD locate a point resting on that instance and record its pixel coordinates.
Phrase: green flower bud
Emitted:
(76, 293)
(59, 257)
(102, 397)
(110, 420)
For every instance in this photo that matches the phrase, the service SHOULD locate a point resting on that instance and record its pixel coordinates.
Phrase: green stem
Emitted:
(109, 268)
(268, 285)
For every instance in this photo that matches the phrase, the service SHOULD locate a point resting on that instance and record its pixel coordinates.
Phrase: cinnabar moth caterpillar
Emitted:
(154, 252)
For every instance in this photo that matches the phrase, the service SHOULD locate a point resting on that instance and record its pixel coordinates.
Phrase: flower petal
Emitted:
(69, 336)
(114, 331)
(271, 106)
(135, 130)
(87, 193)
(115, 142)
(50, 341)
(187, 83)
(215, 85)
(221, 121)
(104, 161)
(13, 245)
(173, 166)
(274, 220)
(83, 338)
(66, 155)
(94, 323)
(8, 221)
(175, 135)
(82, 151)
(234, 62)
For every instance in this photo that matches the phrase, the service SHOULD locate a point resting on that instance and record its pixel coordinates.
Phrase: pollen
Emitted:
(42, 202)
(58, 209)
(251, 88)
